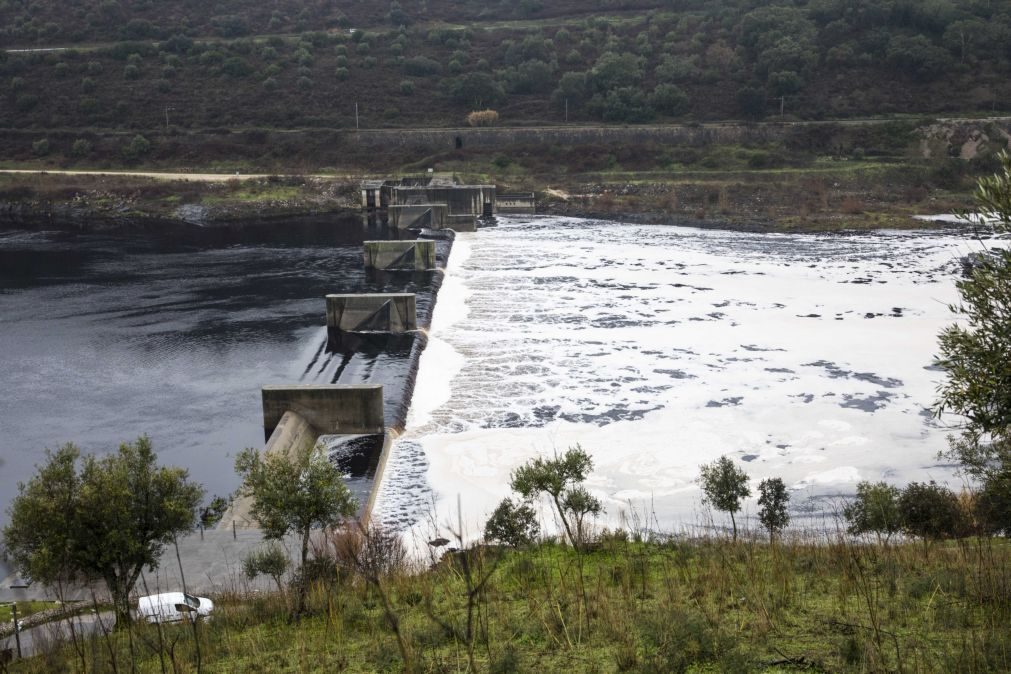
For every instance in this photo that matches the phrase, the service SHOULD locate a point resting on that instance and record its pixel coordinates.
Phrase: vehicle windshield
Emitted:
(191, 601)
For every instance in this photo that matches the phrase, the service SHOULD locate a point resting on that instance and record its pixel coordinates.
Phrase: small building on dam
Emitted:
(431, 201)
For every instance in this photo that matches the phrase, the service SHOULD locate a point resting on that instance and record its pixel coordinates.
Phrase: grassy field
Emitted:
(25, 609)
(657, 605)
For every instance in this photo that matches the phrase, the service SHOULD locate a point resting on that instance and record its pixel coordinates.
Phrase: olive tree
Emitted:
(84, 518)
(294, 493)
(512, 523)
(875, 509)
(725, 486)
(930, 511)
(974, 351)
(774, 503)
(560, 477)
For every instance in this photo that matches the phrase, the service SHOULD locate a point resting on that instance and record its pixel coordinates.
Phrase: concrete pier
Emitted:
(328, 409)
(419, 216)
(390, 312)
(400, 255)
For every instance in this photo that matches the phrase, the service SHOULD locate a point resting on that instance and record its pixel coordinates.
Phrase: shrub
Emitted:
(26, 102)
(17, 83)
(80, 148)
(138, 147)
(421, 66)
(369, 62)
(482, 118)
(512, 524)
(930, 511)
(342, 73)
(874, 510)
(341, 61)
(304, 83)
(41, 147)
(168, 72)
(236, 67)
(669, 99)
(406, 87)
(88, 105)
(131, 72)
(270, 84)
(87, 85)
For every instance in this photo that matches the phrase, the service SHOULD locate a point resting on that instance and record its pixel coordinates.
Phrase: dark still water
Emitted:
(106, 337)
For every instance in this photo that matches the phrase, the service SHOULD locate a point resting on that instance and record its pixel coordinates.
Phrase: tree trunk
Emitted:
(733, 522)
(565, 522)
(120, 601)
(303, 585)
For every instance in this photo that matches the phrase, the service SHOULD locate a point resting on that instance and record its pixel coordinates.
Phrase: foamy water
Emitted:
(656, 349)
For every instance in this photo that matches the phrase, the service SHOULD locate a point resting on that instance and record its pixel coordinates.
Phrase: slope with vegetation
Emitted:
(139, 67)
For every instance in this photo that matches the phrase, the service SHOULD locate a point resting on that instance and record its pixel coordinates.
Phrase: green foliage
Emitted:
(271, 560)
(974, 352)
(128, 506)
(41, 147)
(724, 486)
(294, 494)
(406, 87)
(475, 89)
(930, 511)
(669, 100)
(560, 477)
(138, 147)
(236, 67)
(80, 148)
(751, 102)
(874, 510)
(421, 66)
(616, 70)
(773, 505)
(512, 524)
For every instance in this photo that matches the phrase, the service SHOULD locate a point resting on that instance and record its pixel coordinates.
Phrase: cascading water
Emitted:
(807, 357)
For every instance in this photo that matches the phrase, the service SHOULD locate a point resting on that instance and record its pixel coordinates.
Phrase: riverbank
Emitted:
(641, 602)
(840, 198)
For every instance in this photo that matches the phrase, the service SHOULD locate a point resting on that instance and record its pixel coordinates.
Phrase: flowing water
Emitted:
(105, 337)
(807, 357)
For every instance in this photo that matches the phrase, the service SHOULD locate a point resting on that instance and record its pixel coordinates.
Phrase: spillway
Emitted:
(807, 357)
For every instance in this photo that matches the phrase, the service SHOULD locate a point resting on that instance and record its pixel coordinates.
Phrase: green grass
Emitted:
(696, 606)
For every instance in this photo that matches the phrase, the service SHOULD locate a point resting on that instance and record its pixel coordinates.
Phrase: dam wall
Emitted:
(387, 312)
(330, 409)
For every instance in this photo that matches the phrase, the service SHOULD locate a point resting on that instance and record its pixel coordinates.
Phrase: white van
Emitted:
(171, 607)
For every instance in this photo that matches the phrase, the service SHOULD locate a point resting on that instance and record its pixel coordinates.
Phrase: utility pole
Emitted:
(566, 111)
(782, 105)
(166, 117)
(356, 116)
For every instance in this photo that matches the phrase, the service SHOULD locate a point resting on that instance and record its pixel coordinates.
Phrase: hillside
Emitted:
(141, 66)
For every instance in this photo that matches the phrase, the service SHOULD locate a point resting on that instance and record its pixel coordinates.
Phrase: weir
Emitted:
(388, 312)
(331, 409)
(400, 255)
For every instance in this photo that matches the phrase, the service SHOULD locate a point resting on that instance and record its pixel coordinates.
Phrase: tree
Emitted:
(476, 88)
(270, 561)
(973, 353)
(85, 518)
(616, 70)
(560, 477)
(774, 503)
(929, 511)
(512, 524)
(724, 486)
(875, 509)
(294, 493)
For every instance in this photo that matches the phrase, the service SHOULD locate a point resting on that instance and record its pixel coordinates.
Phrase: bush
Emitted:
(87, 85)
(41, 147)
(421, 66)
(930, 511)
(236, 67)
(407, 87)
(304, 83)
(270, 84)
(342, 73)
(669, 99)
(138, 147)
(26, 102)
(513, 524)
(131, 72)
(482, 118)
(874, 510)
(80, 148)
(369, 62)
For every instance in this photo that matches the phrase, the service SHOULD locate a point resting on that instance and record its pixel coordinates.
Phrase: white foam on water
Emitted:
(806, 357)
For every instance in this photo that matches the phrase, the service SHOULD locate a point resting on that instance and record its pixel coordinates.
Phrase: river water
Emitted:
(106, 337)
(656, 349)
